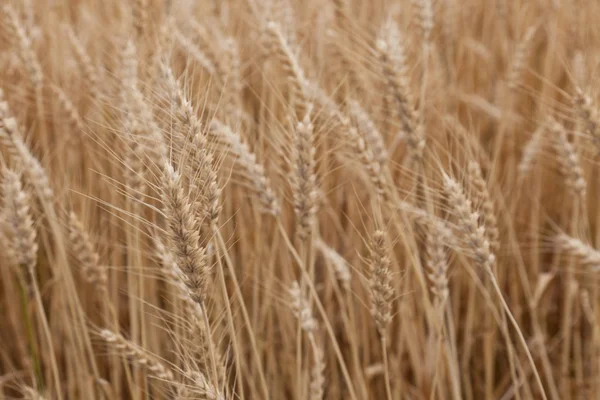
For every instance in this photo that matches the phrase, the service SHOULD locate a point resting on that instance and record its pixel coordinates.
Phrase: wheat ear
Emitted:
(19, 36)
(587, 255)
(138, 355)
(86, 255)
(482, 196)
(588, 112)
(248, 166)
(303, 178)
(18, 224)
(278, 46)
(475, 238)
(391, 55)
(568, 159)
(184, 234)
(382, 295)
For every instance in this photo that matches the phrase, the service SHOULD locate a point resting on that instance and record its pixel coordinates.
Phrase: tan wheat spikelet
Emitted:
(12, 137)
(9, 128)
(380, 283)
(514, 75)
(589, 114)
(533, 147)
(301, 308)
(247, 164)
(437, 266)
(568, 159)
(32, 394)
(19, 36)
(317, 382)
(340, 266)
(201, 342)
(204, 189)
(35, 173)
(140, 16)
(587, 255)
(138, 355)
(483, 198)
(303, 178)
(18, 225)
(278, 46)
(467, 222)
(184, 234)
(200, 167)
(369, 131)
(233, 71)
(90, 72)
(391, 55)
(75, 119)
(425, 16)
(200, 387)
(85, 254)
(197, 54)
(135, 169)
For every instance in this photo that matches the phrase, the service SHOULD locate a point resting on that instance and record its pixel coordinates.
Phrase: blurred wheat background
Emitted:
(317, 199)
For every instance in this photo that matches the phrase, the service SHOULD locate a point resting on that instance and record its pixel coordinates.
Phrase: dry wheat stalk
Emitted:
(201, 341)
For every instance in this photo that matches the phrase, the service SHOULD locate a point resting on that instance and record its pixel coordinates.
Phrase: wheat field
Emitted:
(317, 199)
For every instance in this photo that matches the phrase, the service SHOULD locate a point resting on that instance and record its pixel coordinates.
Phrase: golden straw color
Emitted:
(318, 199)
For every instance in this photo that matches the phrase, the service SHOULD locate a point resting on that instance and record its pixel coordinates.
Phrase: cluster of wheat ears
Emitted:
(319, 199)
